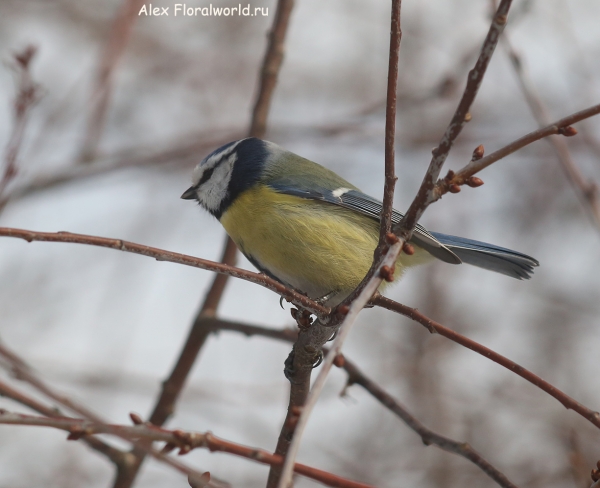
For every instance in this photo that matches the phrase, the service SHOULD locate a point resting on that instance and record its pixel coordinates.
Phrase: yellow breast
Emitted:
(316, 247)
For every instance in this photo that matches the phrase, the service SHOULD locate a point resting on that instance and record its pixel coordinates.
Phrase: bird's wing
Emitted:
(359, 202)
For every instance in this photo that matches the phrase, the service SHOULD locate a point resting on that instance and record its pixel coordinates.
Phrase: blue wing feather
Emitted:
(451, 249)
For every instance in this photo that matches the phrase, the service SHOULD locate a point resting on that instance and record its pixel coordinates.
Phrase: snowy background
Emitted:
(106, 327)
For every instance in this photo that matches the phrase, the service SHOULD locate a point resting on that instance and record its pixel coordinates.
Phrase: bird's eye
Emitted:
(206, 176)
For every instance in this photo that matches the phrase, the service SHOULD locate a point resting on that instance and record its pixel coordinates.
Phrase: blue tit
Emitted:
(310, 229)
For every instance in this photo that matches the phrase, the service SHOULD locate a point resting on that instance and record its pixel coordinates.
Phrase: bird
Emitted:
(308, 228)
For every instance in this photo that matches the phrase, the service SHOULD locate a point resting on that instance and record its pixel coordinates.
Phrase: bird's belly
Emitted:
(316, 247)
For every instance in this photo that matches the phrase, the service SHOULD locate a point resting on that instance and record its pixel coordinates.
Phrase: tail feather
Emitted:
(488, 256)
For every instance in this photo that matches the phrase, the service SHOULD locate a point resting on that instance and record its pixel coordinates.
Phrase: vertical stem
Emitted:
(390, 127)
(298, 413)
(199, 331)
(113, 51)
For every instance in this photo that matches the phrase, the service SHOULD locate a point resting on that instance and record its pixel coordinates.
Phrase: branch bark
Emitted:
(114, 49)
(427, 194)
(586, 191)
(173, 385)
(27, 96)
(173, 257)
(436, 328)
(562, 127)
(385, 225)
(313, 338)
(174, 439)
(355, 376)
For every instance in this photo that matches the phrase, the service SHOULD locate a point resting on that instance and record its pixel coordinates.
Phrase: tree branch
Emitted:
(587, 191)
(436, 328)
(562, 126)
(118, 457)
(311, 340)
(385, 225)
(174, 439)
(173, 257)
(28, 94)
(173, 385)
(116, 42)
(427, 194)
(355, 376)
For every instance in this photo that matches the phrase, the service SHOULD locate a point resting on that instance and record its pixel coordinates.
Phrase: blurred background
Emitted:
(106, 327)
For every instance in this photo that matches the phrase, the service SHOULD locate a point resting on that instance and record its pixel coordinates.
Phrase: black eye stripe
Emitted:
(206, 176)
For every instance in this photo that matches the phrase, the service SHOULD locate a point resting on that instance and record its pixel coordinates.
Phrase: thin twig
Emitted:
(371, 282)
(22, 371)
(122, 460)
(27, 96)
(336, 349)
(118, 457)
(587, 191)
(175, 439)
(426, 194)
(436, 328)
(355, 376)
(427, 435)
(173, 257)
(172, 386)
(384, 257)
(385, 225)
(178, 151)
(116, 42)
(271, 66)
(562, 126)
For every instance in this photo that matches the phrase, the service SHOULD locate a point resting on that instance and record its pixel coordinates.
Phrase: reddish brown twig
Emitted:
(436, 328)
(475, 166)
(178, 151)
(174, 439)
(23, 371)
(118, 457)
(173, 257)
(172, 387)
(114, 48)
(349, 309)
(427, 194)
(355, 376)
(587, 191)
(27, 96)
(270, 68)
(53, 415)
(385, 226)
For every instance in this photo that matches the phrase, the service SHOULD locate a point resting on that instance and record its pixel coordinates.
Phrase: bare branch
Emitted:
(135, 157)
(562, 126)
(427, 194)
(356, 306)
(317, 334)
(385, 226)
(22, 371)
(173, 257)
(355, 376)
(172, 387)
(174, 439)
(270, 68)
(27, 96)
(587, 191)
(436, 328)
(116, 43)
(118, 457)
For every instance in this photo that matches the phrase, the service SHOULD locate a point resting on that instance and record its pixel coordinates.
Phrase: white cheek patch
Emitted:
(211, 162)
(339, 192)
(214, 191)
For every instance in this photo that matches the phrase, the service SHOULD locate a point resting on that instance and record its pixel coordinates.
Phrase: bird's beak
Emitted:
(189, 194)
